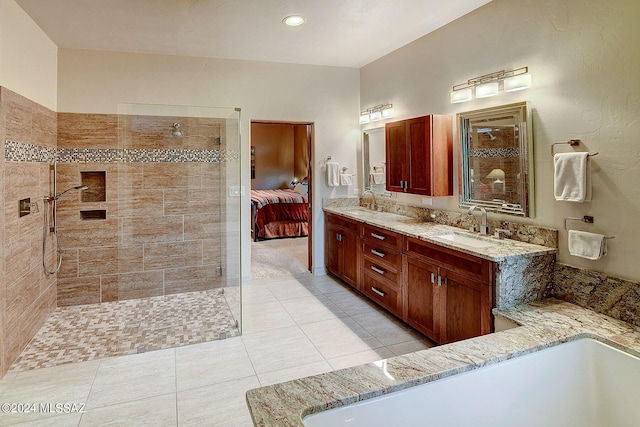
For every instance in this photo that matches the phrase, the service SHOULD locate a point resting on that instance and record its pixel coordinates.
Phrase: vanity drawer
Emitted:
(379, 291)
(460, 262)
(382, 254)
(381, 270)
(380, 236)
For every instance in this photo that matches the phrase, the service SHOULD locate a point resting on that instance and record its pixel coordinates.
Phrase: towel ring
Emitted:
(572, 143)
(588, 219)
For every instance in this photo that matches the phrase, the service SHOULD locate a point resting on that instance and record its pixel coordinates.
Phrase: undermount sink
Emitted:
(360, 211)
(466, 240)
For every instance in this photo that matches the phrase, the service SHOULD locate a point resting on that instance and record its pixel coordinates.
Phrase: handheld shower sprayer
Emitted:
(79, 187)
(51, 227)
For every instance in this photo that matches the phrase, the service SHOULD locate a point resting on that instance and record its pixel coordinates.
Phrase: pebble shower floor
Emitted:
(86, 332)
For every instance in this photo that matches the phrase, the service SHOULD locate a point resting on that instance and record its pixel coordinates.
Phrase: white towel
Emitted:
(346, 179)
(378, 177)
(572, 177)
(333, 174)
(587, 245)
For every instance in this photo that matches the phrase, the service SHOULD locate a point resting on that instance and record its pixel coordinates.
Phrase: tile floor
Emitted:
(93, 331)
(293, 327)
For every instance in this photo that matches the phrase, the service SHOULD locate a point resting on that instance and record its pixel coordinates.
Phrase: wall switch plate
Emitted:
(427, 201)
(236, 190)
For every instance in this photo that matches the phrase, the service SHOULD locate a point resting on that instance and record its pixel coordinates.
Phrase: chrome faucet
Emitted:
(371, 206)
(483, 224)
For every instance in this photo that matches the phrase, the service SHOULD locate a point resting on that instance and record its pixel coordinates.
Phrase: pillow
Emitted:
(301, 188)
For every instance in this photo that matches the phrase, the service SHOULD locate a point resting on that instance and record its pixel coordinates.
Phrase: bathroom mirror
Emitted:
(496, 159)
(373, 147)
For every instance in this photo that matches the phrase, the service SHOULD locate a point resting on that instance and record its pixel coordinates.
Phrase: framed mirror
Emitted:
(496, 159)
(374, 167)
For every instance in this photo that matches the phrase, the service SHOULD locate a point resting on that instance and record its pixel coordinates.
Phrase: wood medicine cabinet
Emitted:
(419, 155)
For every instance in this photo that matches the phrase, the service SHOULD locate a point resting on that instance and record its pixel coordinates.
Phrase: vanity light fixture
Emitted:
(485, 90)
(293, 20)
(489, 84)
(379, 112)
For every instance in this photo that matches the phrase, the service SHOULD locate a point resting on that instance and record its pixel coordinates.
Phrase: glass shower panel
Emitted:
(178, 176)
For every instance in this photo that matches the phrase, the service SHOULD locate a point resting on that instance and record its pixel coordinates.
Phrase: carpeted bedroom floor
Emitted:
(279, 257)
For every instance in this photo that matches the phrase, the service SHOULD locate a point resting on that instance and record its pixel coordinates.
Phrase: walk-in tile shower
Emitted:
(158, 222)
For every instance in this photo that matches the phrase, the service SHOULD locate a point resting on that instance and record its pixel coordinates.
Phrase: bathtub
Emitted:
(582, 383)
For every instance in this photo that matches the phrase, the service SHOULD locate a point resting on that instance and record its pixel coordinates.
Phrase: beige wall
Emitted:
(300, 152)
(274, 155)
(94, 82)
(583, 56)
(28, 58)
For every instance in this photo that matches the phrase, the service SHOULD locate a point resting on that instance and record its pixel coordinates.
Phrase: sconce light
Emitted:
(497, 175)
(486, 90)
(489, 84)
(379, 112)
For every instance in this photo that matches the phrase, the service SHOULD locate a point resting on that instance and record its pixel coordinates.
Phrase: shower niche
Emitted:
(97, 192)
(97, 183)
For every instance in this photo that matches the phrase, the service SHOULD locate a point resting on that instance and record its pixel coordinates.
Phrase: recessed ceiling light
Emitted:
(293, 20)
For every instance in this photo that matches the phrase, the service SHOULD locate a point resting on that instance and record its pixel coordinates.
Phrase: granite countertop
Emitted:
(543, 324)
(412, 227)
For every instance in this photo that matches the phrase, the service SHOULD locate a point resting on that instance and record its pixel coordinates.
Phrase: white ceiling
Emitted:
(348, 33)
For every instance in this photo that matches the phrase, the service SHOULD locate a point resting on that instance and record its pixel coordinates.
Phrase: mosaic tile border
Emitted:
(24, 152)
(495, 152)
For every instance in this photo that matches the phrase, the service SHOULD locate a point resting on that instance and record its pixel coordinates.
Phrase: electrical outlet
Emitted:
(356, 191)
(427, 201)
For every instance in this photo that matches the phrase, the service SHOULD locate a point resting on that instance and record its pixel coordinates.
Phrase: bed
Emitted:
(279, 213)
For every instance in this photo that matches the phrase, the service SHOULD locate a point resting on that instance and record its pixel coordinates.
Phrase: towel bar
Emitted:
(588, 219)
(572, 143)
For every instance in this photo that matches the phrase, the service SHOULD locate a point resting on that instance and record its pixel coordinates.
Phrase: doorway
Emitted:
(281, 198)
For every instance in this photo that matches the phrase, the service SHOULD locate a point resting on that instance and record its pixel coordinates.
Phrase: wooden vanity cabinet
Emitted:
(449, 294)
(342, 248)
(443, 293)
(419, 155)
(381, 264)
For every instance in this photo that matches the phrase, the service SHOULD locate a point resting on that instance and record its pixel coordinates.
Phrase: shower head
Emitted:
(176, 130)
(79, 187)
(491, 136)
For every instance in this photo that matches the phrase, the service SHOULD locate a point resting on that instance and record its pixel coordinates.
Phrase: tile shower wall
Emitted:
(164, 209)
(27, 294)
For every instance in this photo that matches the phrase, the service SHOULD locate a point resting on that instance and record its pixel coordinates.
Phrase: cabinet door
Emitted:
(350, 258)
(333, 253)
(419, 143)
(466, 307)
(422, 297)
(397, 155)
